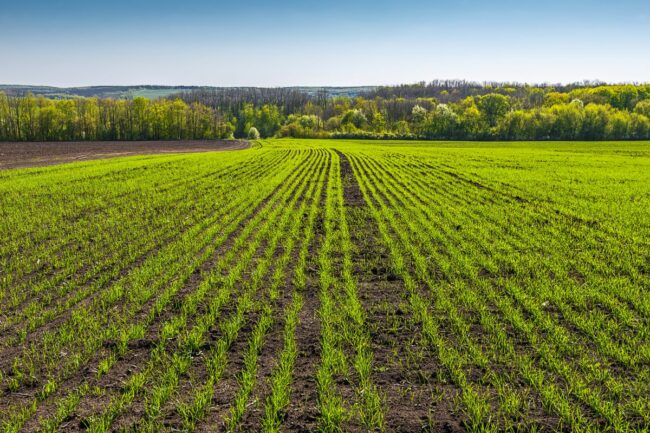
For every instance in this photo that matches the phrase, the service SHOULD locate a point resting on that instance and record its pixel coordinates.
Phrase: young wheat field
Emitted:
(331, 286)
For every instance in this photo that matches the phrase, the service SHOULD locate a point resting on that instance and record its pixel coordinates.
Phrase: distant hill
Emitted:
(151, 92)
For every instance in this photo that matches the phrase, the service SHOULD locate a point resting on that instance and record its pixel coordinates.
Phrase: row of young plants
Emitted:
(136, 300)
(89, 217)
(185, 335)
(94, 234)
(394, 198)
(70, 189)
(60, 296)
(280, 382)
(403, 252)
(519, 238)
(605, 320)
(280, 293)
(345, 345)
(202, 225)
(557, 232)
(590, 354)
(603, 217)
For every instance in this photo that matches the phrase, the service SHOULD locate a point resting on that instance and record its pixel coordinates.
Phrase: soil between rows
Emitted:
(34, 154)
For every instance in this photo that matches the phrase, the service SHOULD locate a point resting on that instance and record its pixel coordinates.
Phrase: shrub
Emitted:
(253, 133)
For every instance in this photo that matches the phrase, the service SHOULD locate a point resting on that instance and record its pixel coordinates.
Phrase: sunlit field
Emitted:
(306, 285)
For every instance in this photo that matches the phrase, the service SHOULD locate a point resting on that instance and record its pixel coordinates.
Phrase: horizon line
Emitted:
(585, 82)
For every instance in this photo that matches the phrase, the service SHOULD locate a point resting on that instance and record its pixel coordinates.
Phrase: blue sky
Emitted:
(354, 42)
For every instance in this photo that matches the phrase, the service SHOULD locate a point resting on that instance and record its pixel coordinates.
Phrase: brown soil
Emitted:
(33, 154)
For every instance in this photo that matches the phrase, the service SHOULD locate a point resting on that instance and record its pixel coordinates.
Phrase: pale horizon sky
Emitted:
(291, 43)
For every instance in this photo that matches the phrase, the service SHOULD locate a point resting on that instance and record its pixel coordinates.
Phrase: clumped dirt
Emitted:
(34, 154)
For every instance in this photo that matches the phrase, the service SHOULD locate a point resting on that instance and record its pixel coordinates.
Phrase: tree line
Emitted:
(32, 118)
(445, 110)
(438, 110)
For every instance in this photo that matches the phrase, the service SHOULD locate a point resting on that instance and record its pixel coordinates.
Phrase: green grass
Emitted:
(332, 286)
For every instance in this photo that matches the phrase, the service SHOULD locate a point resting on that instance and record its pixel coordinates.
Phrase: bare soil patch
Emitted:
(34, 154)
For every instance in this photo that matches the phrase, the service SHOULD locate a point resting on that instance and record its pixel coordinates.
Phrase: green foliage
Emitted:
(555, 98)
(487, 113)
(493, 107)
(303, 126)
(442, 122)
(643, 108)
(40, 119)
(568, 120)
(253, 133)
(266, 119)
(354, 119)
(418, 115)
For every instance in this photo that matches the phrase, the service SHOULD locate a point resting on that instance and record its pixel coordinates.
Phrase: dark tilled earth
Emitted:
(31, 154)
